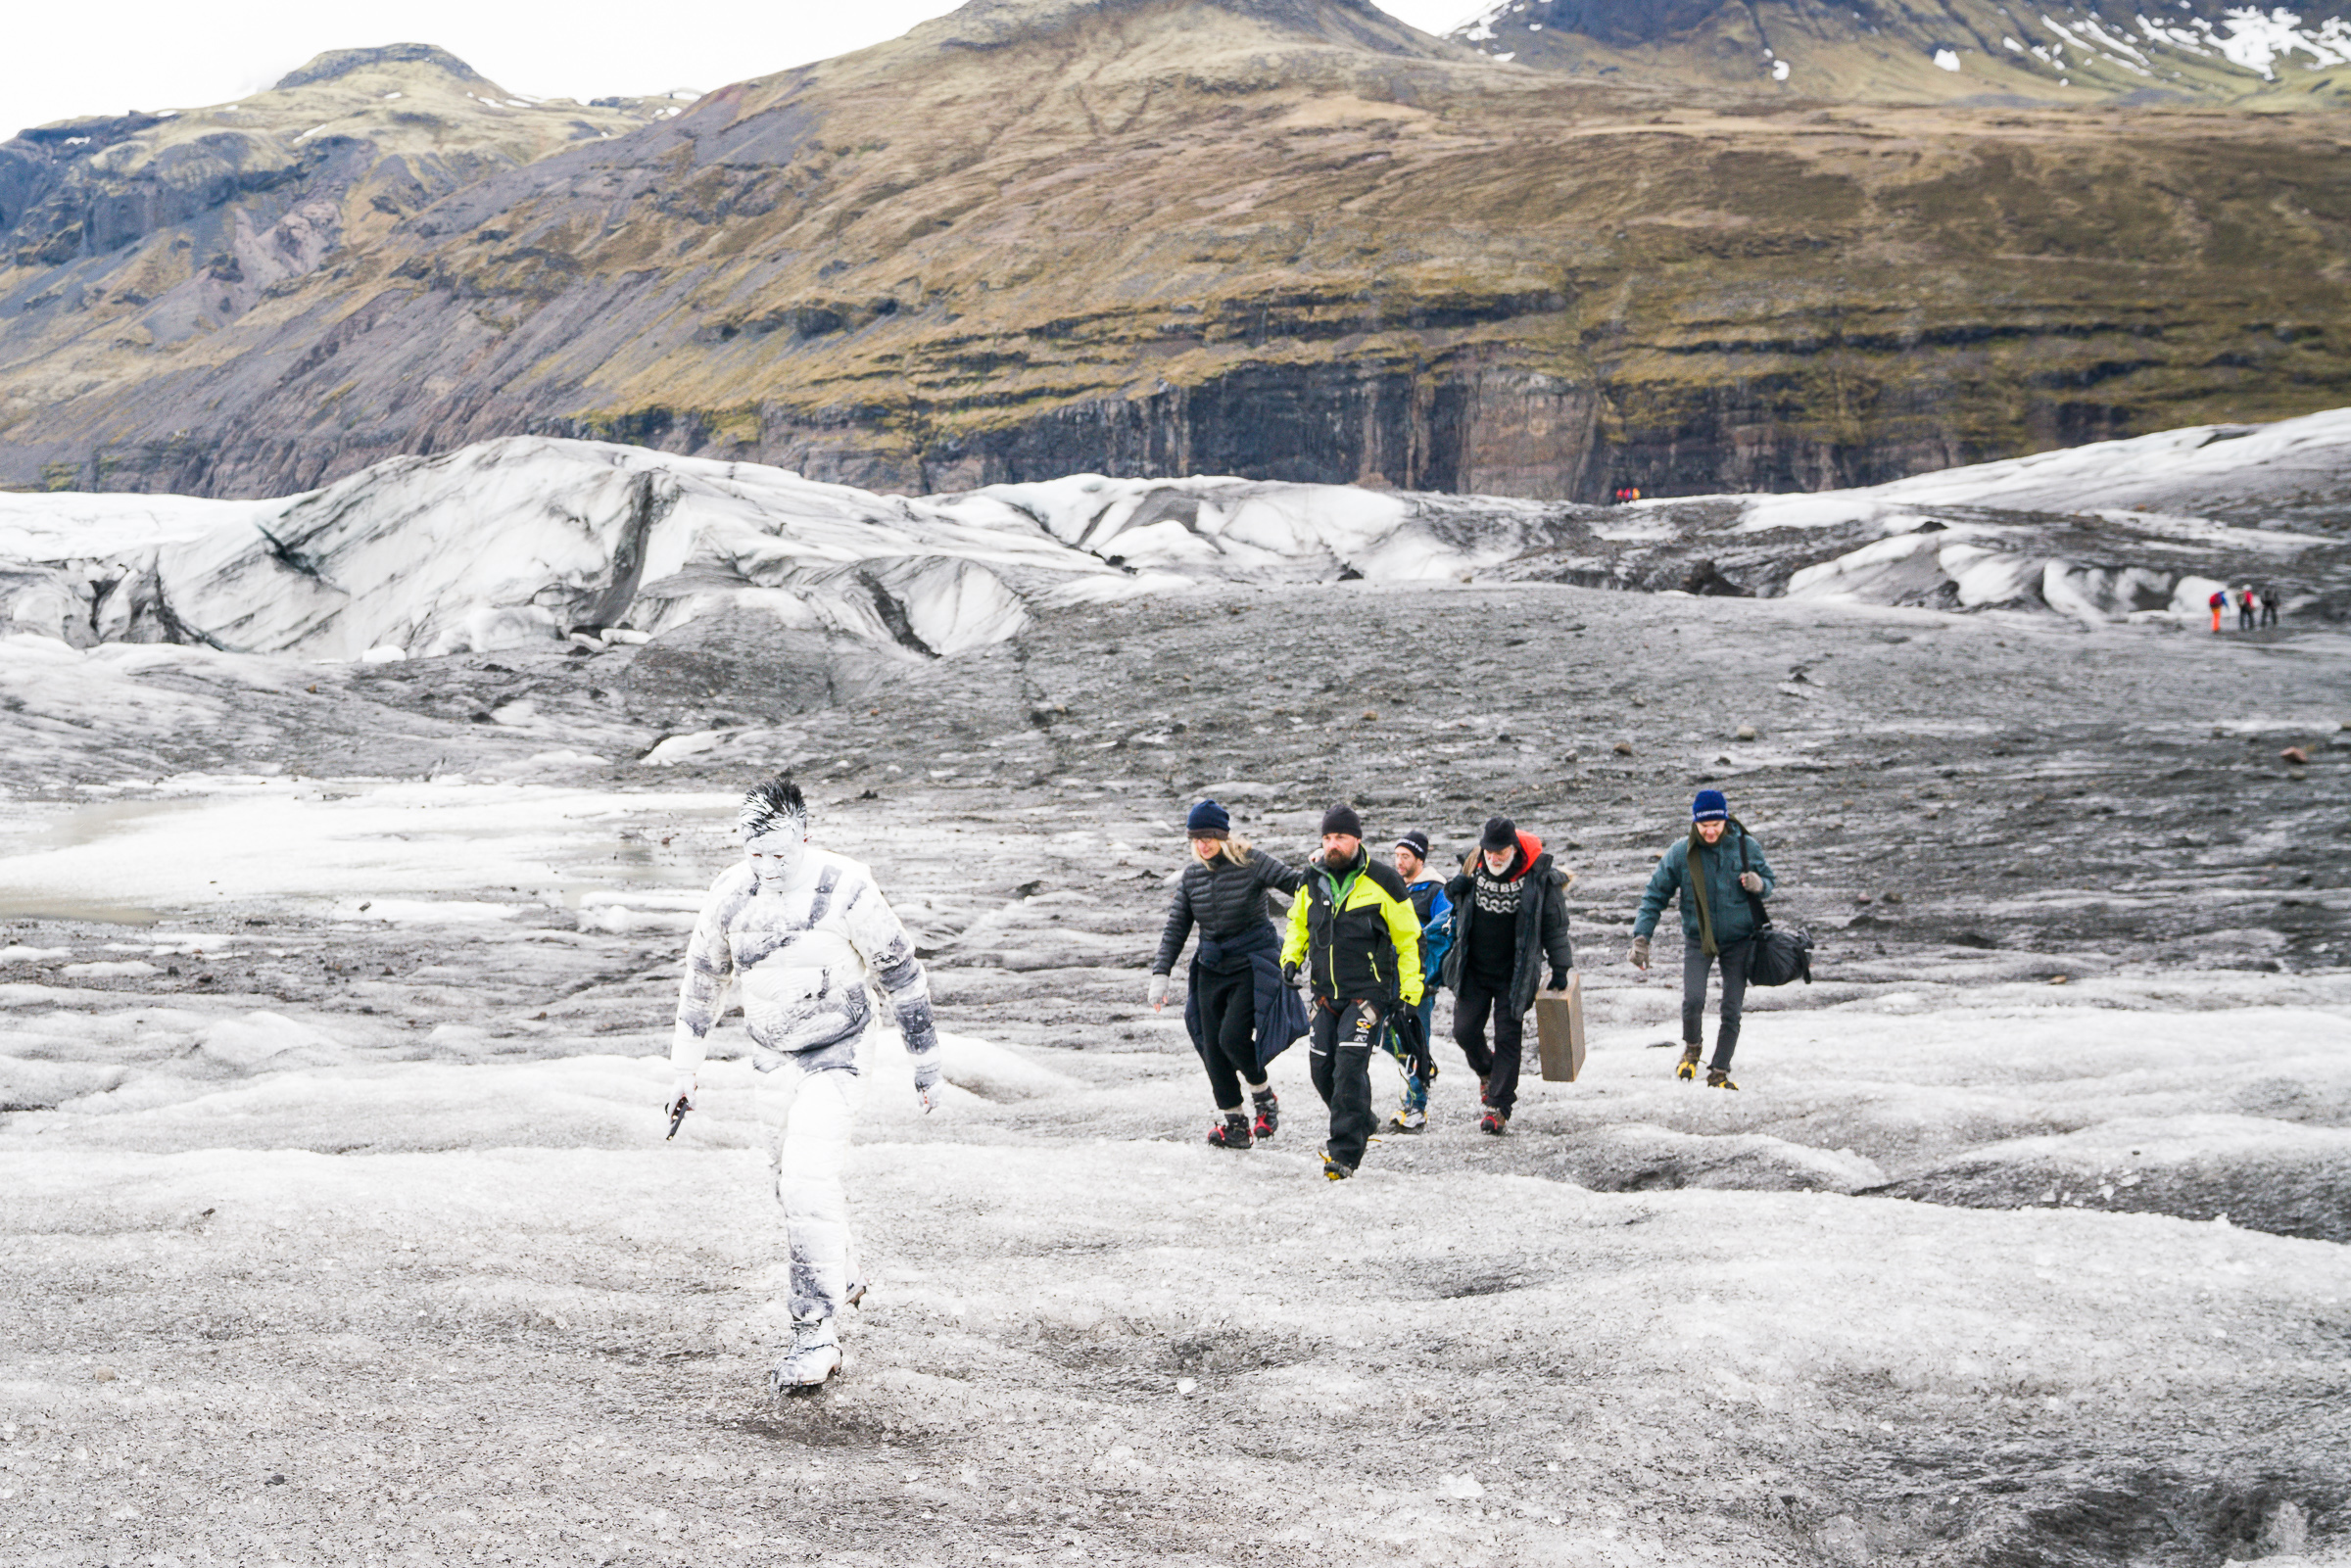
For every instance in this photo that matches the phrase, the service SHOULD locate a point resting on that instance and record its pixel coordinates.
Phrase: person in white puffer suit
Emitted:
(810, 937)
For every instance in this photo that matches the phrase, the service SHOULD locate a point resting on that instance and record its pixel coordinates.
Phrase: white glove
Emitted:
(680, 1088)
(1157, 995)
(933, 1094)
(1639, 956)
(1752, 881)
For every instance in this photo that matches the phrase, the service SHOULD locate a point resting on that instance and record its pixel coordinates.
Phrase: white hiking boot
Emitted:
(814, 1357)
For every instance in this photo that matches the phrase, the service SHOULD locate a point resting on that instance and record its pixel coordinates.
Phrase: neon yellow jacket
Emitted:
(1355, 933)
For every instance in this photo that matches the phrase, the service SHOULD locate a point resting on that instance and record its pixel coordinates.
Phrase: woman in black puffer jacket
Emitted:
(1239, 1013)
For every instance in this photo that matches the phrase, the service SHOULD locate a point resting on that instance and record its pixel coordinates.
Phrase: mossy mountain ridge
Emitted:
(2174, 51)
(1278, 238)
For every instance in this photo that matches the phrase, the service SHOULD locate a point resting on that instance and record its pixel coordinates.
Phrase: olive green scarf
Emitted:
(1696, 868)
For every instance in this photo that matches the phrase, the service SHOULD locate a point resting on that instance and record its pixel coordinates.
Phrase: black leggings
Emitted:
(1695, 964)
(1228, 1033)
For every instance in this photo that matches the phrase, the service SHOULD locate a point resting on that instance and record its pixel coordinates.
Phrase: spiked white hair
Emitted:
(774, 806)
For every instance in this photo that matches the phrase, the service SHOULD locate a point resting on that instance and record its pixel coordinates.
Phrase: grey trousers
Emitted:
(1695, 964)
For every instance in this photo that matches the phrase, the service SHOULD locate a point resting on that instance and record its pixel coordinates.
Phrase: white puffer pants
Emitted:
(807, 1117)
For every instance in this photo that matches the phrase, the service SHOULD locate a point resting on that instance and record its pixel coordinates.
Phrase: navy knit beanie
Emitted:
(1709, 806)
(1207, 821)
(1500, 834)
(1341, 819)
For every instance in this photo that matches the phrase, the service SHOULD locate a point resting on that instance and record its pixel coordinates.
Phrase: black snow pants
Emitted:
(1695, 964)
(1498, 1067)
(1228, 1030)
(1339, 1055)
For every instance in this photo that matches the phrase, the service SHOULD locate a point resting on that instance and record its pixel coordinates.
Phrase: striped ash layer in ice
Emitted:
(529, 539)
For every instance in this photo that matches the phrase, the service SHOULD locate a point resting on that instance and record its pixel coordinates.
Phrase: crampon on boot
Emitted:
(1409, 1120)
(813, 1356)
(1332, 1170)
(1493, 1121)
(1268, 1113)
(1232, 1132)
(1686, 1067)
(1719, 1078)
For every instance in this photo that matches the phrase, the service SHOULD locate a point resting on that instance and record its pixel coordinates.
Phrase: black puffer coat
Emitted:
(1223, 899)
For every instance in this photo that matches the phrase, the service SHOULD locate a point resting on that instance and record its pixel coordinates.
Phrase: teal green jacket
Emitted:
(1726, 900)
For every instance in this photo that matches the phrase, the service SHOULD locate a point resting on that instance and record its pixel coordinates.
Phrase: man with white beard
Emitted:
(809, 935)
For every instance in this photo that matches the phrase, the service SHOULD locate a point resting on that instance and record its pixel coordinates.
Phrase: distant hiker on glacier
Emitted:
(810, 937)
(2218, 602)
(2269, 606)
(2245, 608)
(1712, 872)
(1239, 1011)
(1354, 935)
(1509, 918)
(1434, 911)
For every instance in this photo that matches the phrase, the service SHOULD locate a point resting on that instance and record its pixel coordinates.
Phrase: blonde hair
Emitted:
(1232, 848)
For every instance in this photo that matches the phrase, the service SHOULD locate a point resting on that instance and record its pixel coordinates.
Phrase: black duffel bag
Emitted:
(1776, 954)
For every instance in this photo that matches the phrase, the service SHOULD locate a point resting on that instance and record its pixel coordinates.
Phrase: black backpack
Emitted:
(1776, 954)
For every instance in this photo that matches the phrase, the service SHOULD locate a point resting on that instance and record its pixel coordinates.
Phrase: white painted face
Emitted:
(774, 857)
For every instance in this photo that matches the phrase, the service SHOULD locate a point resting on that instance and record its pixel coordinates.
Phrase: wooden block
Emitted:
(1559, 1030)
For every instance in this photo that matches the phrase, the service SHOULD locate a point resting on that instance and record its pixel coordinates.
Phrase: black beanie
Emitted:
(1500, 834)
(1417, 841)
(1341, 819)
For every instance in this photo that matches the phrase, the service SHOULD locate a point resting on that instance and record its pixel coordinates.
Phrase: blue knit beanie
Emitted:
(1709, 806)
(1208, 819)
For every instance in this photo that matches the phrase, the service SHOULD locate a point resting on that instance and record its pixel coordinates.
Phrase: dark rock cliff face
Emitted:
(1484, 428)
(1487, 429)
(1490, 430)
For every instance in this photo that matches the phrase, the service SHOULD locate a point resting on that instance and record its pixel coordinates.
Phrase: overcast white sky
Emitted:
(169, 54)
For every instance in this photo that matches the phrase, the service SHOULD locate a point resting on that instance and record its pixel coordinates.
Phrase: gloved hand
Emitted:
(932, 1094)
(1559, 980)
(1158, 994)
(681, 1088)
(1639, 956)
(1752, 881)
(1290, 975)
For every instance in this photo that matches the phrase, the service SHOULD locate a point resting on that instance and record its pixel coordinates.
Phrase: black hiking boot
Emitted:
(1719, 1078)
(1268, 1113)
(1232, 1132)
(1687, 1069)
(1332, 1170)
